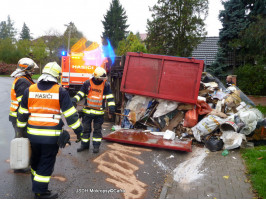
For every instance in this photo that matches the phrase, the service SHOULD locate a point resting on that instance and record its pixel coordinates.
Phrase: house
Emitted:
(207, 50)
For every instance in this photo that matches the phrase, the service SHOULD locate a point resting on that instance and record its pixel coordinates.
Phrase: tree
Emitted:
(24, 48)
(114, 23)
(75, 35)
(8, 51)
(39, 52)
(253, 41)
(131, 44)
(242, 38)
(7, 29)
(53, 41)
(177, 26)
(25, 33)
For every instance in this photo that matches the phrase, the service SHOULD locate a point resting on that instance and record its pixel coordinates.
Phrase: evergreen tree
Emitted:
(177, 26)
(7, 29)
(25, 33)
(243, 34)
(114, 23)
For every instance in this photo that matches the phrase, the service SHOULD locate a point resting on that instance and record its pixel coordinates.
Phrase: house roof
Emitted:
(207, 50)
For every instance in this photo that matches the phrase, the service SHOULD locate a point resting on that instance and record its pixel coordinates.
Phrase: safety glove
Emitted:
(63, 139)
(80, 113)
(79, 137)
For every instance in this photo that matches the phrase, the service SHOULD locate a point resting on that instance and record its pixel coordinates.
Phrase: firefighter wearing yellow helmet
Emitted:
(40, 114)
(23, 80)
(97, 91)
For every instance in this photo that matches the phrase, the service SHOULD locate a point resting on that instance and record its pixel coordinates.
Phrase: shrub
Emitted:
(7, 69)
(252, 79)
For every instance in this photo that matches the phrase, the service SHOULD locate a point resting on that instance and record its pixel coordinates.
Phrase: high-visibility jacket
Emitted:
(95, 95)
(14, 99)
(106, 96)
(44, 109)
(40, 112)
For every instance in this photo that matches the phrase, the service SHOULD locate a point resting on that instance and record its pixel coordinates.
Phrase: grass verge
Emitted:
(262, 109)
(255, 160)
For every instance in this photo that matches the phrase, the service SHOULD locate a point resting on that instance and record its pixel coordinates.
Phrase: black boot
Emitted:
(83, 148)
(96, 149)
(46, 195)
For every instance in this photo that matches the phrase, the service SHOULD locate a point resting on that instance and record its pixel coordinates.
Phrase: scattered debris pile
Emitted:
(221, 119)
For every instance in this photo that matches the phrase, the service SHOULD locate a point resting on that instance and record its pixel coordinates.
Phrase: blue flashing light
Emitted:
(63, 53)
(109, 51)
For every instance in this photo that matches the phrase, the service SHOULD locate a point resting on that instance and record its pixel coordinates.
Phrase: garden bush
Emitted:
(251, 79)
(7, 69)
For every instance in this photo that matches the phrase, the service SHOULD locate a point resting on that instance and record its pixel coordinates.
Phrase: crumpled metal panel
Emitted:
(138, 137)
(164, 77)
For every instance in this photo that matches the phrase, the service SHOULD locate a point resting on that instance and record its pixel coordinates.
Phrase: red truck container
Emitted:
(164, 77)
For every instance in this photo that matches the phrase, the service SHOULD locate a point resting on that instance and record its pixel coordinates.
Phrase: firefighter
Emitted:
(97, 90)
(40, 113)
(23, 80)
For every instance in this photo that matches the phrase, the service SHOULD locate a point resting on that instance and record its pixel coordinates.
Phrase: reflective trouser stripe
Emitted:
(96, 139)
(96, 112)
(85, 140)
(43, 179)
(111, 103)
(109, 96)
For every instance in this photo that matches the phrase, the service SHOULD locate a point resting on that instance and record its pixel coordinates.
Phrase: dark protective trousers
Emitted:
(97, 129)
(43, 159)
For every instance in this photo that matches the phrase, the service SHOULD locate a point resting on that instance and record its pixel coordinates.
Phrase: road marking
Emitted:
(121, 166)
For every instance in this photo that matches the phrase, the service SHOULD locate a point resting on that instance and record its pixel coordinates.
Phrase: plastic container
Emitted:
(228, 126)
(20, 153)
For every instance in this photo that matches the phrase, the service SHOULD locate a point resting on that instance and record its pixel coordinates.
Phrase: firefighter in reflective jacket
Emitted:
(97, 90)
(23, 80)
(40, 112)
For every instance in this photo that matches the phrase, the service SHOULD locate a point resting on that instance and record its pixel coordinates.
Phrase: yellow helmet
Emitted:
(99, 72)
(53, 69)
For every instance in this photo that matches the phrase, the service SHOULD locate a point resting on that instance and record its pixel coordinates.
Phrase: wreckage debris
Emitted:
(221, 119)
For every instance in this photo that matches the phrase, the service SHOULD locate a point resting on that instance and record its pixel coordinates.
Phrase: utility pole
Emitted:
(68, 46)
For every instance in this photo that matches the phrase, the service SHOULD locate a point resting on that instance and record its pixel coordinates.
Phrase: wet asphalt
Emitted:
(141, 170)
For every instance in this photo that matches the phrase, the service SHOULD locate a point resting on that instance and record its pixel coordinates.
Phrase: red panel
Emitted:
(164, 77)
(138, 137)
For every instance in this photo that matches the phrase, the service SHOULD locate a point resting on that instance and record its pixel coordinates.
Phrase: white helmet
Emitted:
(24, 66)
(51, 72)
(99, 72)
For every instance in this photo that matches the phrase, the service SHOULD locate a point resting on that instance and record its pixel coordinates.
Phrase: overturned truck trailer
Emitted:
(161, 77)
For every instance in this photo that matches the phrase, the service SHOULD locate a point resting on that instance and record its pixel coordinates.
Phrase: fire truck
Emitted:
(79, 64)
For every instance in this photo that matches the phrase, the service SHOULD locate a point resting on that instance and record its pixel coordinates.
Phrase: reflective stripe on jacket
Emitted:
(95, 95)
(14, 100)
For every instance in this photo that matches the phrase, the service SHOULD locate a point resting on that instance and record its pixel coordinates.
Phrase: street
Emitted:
(118, 171)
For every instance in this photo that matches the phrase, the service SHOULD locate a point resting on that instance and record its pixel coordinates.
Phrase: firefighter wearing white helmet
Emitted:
(40, 113)
(97, 91)
(23, 80)
(51, 72)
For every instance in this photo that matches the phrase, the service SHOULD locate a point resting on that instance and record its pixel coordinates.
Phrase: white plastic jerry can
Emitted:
(20, 153)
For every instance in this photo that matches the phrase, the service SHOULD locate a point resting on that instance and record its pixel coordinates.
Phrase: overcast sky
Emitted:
(42, 15)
